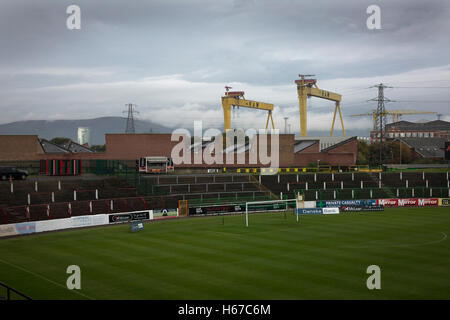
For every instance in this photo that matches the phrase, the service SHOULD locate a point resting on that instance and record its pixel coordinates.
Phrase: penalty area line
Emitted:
(44, 278)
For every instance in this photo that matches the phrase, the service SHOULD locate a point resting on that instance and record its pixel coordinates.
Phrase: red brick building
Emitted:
(406, 129)
(134, 146)
(343, 153)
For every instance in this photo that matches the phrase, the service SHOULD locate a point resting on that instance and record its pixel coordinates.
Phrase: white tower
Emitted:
(84, 135)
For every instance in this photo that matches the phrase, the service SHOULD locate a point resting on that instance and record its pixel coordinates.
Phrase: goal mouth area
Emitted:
(270, 206)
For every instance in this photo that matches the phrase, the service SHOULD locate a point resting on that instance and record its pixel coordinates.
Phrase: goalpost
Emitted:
(299, 203)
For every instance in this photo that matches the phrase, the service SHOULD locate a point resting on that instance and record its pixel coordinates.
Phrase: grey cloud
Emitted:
(262, 43)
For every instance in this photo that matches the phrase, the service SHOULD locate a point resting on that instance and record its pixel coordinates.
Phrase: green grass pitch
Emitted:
(320, 257)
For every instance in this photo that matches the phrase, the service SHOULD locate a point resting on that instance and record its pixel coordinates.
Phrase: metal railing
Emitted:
(10, 289)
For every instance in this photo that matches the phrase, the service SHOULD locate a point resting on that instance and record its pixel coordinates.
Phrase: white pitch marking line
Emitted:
(44, 278)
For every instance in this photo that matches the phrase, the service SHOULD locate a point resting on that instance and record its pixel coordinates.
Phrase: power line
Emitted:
(421, 81)
(442, 87)
(354, 89)
(424, 101)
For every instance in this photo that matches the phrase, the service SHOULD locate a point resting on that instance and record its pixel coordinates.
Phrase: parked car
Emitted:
(6, 172)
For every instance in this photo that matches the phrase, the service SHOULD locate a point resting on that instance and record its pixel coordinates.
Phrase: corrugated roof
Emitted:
(430, 125)
(76, 147)
(49, 147)
(199, 146)
(324, 142)
(338, 144)
(299, 146)
(426, 147)
(237, 148)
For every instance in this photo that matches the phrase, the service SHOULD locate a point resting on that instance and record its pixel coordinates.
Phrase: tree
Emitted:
(407, 156)
(363, 153)
(98, 148)
(381, 153)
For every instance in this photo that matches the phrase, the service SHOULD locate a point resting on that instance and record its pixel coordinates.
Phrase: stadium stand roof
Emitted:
(426, 147)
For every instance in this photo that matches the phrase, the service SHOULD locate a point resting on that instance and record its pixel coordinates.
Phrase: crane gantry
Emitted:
(396, 114)
(236, 99)
(308, 88)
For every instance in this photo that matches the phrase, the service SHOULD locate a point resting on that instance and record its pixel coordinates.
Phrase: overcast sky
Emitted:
(173, 58)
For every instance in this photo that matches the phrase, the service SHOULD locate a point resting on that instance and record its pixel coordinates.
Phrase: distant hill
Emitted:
(68, 128)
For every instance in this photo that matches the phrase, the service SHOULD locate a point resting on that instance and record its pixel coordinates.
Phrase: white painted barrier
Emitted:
(52, 225)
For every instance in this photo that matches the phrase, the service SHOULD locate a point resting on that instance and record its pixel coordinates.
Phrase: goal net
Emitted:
(274, 206)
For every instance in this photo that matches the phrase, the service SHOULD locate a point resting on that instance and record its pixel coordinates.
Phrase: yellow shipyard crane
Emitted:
(307, 88)
(236, 99)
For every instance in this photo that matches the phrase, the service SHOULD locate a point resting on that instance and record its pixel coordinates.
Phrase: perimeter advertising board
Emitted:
(129, 216)
(165, 213)
(361, 208)
(317, 211)
(412, 202)
(240, 208)
(339, 203)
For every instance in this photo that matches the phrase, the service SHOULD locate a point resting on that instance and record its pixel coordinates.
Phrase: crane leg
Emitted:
(226, 116)
(334, 118)
(337, 108)
(342, 121)
(302, 109)
(269, 115)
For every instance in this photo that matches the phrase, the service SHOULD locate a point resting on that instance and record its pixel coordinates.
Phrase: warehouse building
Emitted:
(430, 148)
(421, 130)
